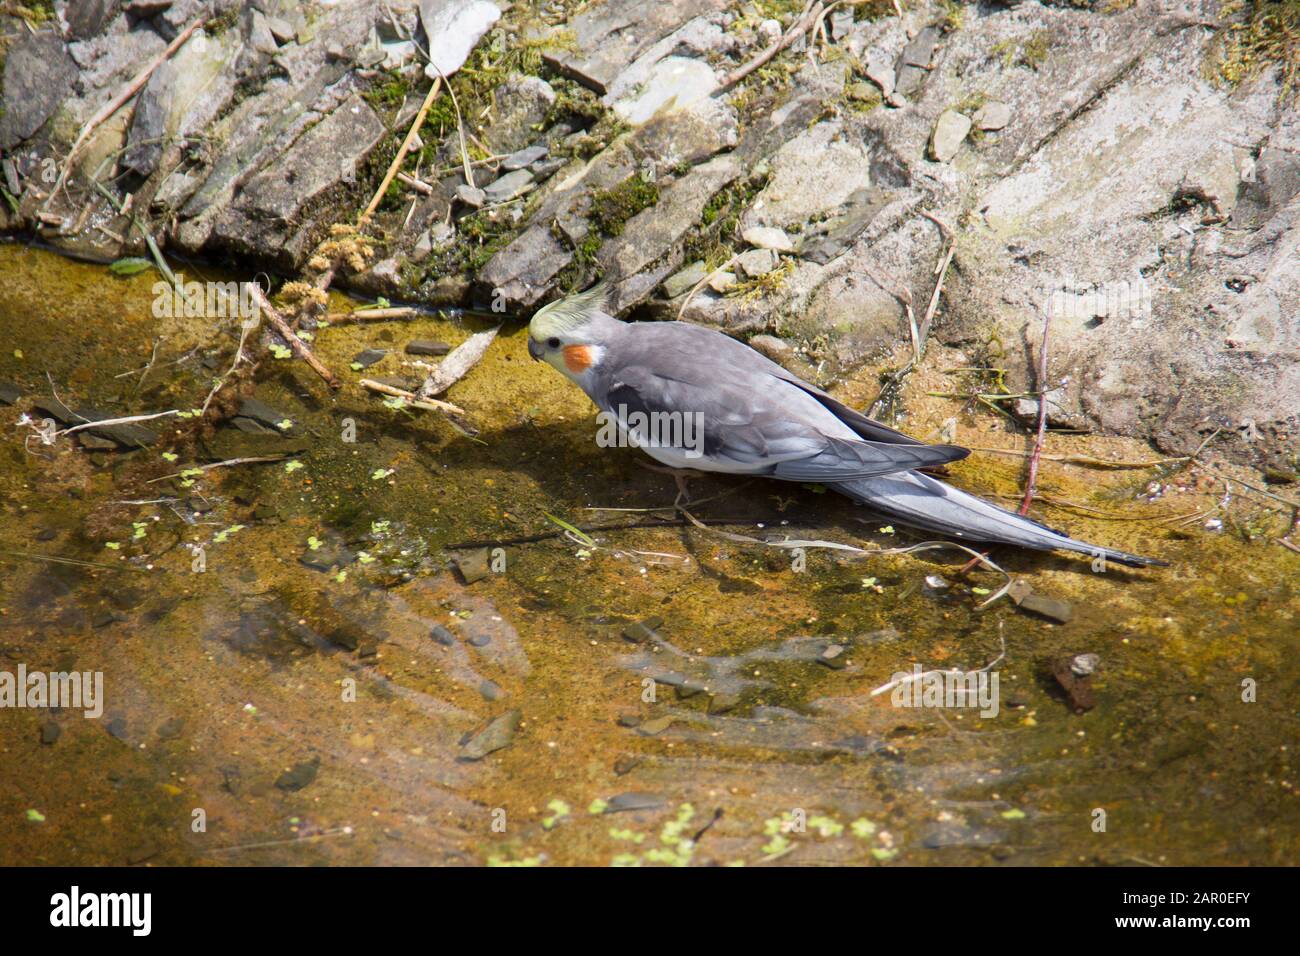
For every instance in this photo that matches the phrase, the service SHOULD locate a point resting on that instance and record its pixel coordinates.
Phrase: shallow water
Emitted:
(712, 737)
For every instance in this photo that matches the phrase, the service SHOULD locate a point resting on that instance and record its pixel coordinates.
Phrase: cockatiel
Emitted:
(756, 418)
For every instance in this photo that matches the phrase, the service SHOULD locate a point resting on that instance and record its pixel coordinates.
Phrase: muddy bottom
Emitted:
(296, 671)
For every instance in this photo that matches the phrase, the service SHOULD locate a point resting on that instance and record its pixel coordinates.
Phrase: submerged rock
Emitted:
(492, 736)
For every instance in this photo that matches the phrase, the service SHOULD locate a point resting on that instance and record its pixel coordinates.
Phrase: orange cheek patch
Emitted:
(577, 358)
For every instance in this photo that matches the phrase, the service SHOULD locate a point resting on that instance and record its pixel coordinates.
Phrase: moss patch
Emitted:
(1263, 34)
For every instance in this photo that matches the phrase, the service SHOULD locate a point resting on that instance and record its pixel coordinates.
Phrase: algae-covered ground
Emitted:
(294, 674)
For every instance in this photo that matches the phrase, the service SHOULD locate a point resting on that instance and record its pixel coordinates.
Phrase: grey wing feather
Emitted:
(753, 426)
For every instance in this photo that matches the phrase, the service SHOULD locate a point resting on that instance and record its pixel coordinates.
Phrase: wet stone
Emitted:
(117, 727)
(1060, 611)
(427, 347)
(634, 800)
(262, 413)
(626, 763)
(9, 393)
(721, 703)
(655, 727)
(641, 631)
(497, 733)
(369, 357)
(92, 442)
(832, 657)
(301, 775)
(171, 728)
(473, 566)
(326, 557)
(490, 691)
(50, 732)
(443, 636)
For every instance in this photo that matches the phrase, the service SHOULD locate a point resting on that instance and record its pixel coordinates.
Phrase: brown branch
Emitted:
(299, 347)
(401, 153)
(429, 404)
(115, 104)
(810, 13)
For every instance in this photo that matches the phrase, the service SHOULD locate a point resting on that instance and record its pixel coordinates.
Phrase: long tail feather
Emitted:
(923, 502)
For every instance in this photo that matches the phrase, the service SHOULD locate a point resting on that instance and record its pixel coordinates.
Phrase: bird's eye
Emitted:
(553, 342)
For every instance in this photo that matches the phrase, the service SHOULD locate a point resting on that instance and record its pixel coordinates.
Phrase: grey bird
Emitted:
(756, 418)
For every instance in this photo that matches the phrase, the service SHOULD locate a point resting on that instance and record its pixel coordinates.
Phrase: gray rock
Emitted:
(88, 18)
(913, 65)
(281, 29)
(38, 76)
(522, 102)
(992, 116)
(611, 35)
(497, 733)
(260, 37)
(949, 132)
(508, 186)
(673, 83)
(812, 174)
(524, 269)
(268, 218)
(427, 347)
(682, 281)
(881, 72)
(471, 195)
(453, 27)
(757, 262)
(146, 9)
(768, 237)
(722, 281)
(524, 157)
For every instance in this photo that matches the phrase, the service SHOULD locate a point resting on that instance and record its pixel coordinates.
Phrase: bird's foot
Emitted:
(680, 476)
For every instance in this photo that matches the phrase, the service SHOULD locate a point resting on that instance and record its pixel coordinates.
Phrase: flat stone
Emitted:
(302, 774)
(141, 9)
(426, 347)
(674, 83)
(633, 800)
(261, 412)
(277, 212)
(722, 281)
(369, 357)
(992, 116)
(471, 195)
(492, 736)
(508, 186)
(281, 29)
(473, 565)
(949, 132)
(757, 262)
(768, 237)
(38, 77)
(522, 102)
(611, 35)
(813, 174)
(881, 72)
(9, 393)
(639, 632)
(913, 65)
(682, 282)
(453, 27)
(88, 18)
(524, 157)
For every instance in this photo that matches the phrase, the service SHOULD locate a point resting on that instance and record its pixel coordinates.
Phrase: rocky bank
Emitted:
(1133, 166)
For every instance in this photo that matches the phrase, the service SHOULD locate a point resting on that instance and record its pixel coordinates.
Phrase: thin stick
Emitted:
(810, 13)
(419, 185)
(115, 104)
(229, 462)
(368, 315)
(430, 404)
(1032, 479)
(1085, 460)
(300, 349)
(941, 270)
(115, 421)
(695, 288)
(954, 671)
(401, 153)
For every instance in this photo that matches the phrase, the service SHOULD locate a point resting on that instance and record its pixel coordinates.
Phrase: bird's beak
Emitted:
(535, 349)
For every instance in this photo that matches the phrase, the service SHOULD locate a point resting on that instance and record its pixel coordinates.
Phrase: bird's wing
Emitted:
(760, 424)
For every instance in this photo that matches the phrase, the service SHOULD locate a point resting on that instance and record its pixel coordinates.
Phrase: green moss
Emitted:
(611, 208)
(954, 15)
(1028, 51)
(388, 92)
(1261, 35)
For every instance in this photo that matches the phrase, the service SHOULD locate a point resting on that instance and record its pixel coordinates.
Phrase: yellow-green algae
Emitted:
(253, 657)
